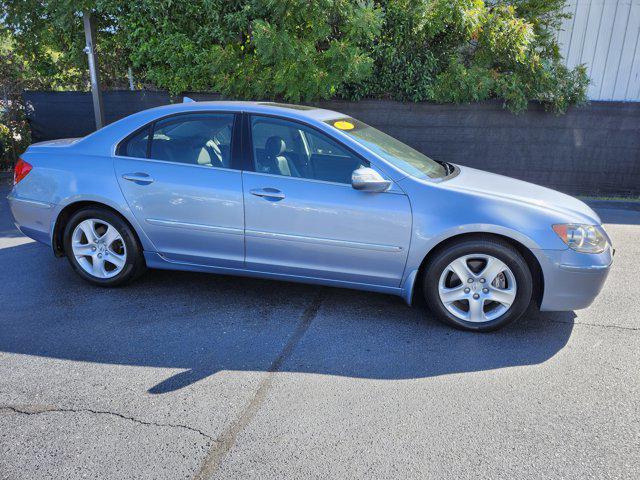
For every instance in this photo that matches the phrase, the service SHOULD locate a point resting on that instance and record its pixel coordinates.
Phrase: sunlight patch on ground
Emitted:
(10, 239)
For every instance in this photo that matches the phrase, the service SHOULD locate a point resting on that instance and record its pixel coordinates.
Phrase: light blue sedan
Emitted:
(297, 193)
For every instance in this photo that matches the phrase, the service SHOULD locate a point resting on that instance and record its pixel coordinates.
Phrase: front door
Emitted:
(180, 179)
(303, 217)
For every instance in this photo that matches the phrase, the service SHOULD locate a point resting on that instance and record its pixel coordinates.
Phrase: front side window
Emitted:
(282, 147)
(392, 150)
(196, 139)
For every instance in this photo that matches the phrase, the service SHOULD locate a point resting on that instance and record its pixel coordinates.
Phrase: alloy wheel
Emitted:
(98, 248)
(477, 288)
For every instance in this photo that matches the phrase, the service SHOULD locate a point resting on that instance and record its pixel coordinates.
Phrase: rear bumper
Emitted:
(572, 280)
(32, 217)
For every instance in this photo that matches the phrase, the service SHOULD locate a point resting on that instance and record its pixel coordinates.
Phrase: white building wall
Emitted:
(605, 36)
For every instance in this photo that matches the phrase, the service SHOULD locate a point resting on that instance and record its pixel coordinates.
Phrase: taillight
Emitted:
(21, 170)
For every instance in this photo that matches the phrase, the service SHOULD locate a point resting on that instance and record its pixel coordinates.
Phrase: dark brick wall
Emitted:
(591, 150)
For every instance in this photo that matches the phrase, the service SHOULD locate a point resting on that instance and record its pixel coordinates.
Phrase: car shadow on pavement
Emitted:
(205, 324)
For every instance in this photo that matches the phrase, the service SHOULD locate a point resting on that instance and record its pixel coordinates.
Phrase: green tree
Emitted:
(469, 50)
(14, 130)
(304, 50)
(48, 36)
(296, 50)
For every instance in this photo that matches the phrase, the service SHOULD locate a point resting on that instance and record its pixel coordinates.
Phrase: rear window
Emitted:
(136, 146)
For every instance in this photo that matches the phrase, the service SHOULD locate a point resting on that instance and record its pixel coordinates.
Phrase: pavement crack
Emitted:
(225, 442)
(43, 409)
(599, 325)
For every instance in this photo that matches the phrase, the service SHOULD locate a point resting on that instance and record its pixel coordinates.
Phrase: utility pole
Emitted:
(96, 93)
(130, 76)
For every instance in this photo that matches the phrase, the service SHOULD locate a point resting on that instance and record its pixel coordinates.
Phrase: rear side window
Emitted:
(136, 146)
(197, 139)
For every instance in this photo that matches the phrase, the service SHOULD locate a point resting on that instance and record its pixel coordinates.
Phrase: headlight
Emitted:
(582, 238)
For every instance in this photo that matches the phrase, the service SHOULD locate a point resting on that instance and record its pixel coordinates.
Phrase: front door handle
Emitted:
(138, 177)
(268, 193)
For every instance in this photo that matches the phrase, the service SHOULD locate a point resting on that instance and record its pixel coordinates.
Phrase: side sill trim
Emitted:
(194, 226)
(323, 241)
(157, 260)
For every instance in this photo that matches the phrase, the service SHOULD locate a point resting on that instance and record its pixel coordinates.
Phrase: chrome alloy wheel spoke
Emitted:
(504, 296)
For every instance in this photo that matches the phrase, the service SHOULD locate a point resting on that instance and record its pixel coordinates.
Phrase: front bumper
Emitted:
(572, 280)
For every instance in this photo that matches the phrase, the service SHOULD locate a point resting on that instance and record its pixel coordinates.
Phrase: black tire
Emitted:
(487, 246)
(134, 264)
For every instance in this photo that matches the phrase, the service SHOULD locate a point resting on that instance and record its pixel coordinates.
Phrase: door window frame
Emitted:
(235, 147)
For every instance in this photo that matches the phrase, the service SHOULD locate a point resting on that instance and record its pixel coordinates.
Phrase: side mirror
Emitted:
(368, 180)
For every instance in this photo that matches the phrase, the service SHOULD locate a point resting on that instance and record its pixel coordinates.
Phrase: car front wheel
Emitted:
(478, 284)
(102, 248)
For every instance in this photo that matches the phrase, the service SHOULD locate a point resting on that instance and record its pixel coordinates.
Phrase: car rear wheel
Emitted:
(102, 248)
(478, 284)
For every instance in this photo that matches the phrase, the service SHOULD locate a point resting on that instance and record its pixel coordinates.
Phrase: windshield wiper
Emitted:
(448, 168)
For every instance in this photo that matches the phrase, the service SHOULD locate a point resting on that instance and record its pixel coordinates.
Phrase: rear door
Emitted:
(304, 218)
(181, 178)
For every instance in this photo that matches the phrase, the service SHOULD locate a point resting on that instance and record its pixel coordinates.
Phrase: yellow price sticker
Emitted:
(344, 125)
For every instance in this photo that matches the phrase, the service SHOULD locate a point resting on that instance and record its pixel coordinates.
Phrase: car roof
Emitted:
(274, 108)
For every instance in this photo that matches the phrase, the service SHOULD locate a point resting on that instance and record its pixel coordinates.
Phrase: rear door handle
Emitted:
(138, 177)
(268, 193)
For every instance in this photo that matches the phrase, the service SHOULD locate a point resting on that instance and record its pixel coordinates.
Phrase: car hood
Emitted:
(498, 186)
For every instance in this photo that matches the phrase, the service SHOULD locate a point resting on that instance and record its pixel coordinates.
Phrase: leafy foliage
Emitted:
(470, 50)
(14, 130)
(294, 49)
(304, 50)
(48, 36)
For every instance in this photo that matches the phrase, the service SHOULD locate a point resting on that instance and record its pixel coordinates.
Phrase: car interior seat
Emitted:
(275, 160)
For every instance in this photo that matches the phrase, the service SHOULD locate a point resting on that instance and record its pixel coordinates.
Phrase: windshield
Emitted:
(394, 151)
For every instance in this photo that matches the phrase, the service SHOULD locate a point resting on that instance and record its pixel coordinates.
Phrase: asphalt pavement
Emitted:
(185, 375)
